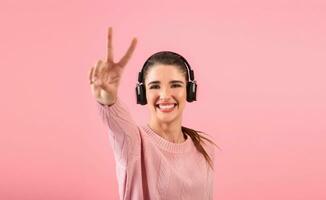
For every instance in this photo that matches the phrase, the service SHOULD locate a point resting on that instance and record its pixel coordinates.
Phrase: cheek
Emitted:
(181, 94)
(151, 97)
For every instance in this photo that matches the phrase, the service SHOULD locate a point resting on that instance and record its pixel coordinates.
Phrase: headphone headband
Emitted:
(189, 70)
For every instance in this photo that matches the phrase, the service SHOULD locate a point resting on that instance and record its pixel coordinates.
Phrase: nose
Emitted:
(165, 94)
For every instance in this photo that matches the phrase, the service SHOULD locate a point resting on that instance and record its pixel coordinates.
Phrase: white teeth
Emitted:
(166, 106)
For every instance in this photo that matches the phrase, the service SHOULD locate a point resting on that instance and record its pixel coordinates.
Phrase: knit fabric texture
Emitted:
(150, 167)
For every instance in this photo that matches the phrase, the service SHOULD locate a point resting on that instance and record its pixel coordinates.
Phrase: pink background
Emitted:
(261, 71)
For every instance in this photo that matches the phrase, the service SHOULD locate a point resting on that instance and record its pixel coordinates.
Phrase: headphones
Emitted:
(191, 83)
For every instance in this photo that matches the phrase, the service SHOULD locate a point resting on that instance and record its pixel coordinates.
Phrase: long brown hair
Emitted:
(198, 140)
(169, 58)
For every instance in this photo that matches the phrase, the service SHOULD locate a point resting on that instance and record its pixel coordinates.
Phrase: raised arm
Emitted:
(105, 79)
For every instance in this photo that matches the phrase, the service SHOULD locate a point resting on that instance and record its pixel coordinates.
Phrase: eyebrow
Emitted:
(171, 82)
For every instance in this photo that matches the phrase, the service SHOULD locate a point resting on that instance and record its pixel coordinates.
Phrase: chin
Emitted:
(166, 117)
(166, 120)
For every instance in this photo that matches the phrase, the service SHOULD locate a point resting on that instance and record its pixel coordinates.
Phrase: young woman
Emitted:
(162, 159)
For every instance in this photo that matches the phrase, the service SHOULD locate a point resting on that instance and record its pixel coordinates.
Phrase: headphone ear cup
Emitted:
(141, 94)
(191, 91)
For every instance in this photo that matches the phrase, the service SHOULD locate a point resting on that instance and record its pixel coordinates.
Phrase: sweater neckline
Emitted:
(167, 145)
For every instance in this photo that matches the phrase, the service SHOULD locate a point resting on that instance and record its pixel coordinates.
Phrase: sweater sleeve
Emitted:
(124, 134)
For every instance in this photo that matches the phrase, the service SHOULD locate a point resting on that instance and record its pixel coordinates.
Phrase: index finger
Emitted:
(124, 60)
(110, 50)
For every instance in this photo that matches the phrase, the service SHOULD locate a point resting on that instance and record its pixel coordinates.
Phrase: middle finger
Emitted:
(110, 48)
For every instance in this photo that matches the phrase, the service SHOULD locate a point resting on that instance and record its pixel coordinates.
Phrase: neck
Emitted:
(169, 131)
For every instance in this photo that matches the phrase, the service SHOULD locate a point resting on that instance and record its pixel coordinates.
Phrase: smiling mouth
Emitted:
(166, 107)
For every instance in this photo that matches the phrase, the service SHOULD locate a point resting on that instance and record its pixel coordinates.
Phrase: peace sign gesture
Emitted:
(106, 76)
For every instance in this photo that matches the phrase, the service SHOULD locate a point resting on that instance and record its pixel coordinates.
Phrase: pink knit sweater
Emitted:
(150, 167)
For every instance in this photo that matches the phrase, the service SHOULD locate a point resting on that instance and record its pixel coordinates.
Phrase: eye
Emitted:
(154, 87)
(176, 85)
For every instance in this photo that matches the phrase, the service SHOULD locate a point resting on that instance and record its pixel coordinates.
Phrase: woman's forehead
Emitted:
(161, 71)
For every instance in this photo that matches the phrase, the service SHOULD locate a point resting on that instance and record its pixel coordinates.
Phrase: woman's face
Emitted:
(166, 93)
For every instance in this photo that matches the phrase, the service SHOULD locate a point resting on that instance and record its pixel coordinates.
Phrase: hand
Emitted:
(105, 77)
